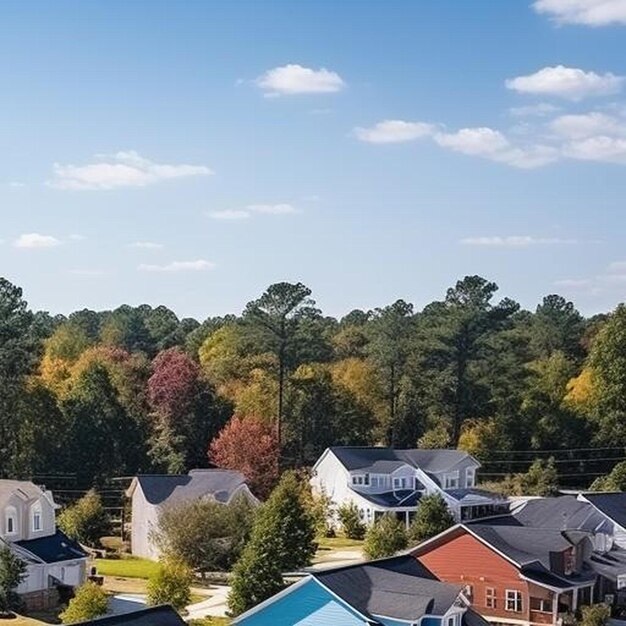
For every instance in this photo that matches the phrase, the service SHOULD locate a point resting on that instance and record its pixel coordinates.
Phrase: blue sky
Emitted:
(192, 153)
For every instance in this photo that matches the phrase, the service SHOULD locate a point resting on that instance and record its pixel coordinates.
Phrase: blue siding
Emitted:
(431, 621)
(309, 605)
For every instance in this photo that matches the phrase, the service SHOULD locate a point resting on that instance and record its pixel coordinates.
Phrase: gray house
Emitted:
(152, 493)
(386, 480)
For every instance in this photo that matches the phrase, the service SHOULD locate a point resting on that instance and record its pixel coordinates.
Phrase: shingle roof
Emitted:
(431, 461)
(163, 615)
(610, 564)
(25, 488)
(398, 587)
(613, 505)
(53, 548)
(562, 513)
(474, 494)
(394, 499)
(160, 489)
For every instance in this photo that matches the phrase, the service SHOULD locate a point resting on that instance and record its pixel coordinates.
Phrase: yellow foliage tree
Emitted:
(580, 390)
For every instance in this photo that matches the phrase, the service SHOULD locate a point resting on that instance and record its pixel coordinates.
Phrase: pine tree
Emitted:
(282, 539)
(432, 518)
(386, 537)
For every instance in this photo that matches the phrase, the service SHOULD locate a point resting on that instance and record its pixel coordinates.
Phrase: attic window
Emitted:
(451, 480)
(36, 513)
(11, 520)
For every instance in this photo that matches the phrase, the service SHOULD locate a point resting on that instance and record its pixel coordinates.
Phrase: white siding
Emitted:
(145, 518)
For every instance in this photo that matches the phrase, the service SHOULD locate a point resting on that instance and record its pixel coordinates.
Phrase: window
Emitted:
(361, 479)
(451, 481)
(11, 520)
(569, 562)
(490, 598)
(470, 476)
(36, 517)
(513, 600)
(541, 605)
(399, 483)
(374, 482)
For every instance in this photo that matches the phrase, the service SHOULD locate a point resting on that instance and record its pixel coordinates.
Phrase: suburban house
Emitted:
(385, 480)
(152, 493)
(55, 563)
(163, 615)
(612, 507)
(397, 591)
(514, 574)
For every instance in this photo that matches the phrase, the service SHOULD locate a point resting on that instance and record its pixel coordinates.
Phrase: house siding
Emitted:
(309, 605)
(145, 519)
(464, 560)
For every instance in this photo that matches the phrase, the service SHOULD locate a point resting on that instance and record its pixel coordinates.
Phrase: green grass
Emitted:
(338, 543)
(126, 568)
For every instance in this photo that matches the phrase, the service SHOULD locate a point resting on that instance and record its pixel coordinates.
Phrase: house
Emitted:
(515, 574)
(397, 591)
(152, 493)
(163, 615)
(384, 480)
(55, 563)
(612, 507)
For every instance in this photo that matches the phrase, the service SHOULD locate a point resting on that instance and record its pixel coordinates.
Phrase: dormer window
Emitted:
(36, 516)
(451, 480)
(361, 479)
(399, 483)
(11, 520)
(470, 477)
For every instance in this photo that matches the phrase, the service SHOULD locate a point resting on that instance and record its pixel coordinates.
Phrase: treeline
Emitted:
(103, 394)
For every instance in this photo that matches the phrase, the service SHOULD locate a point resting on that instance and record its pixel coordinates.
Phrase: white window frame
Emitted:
(10, 516)
(401, 480)
(513, 597)
(451, 477)
(470, 472)
(545, 604)
(491, 598)
(37, 517)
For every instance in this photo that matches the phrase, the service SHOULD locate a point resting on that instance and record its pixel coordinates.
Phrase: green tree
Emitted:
(90, 601)
(615, 480)
(205, 534)
(275, 317)
(432, 517)
(12, 573)
(85, 521)
(350, 519)
(171, 584)
(541, 479)
(384, 538)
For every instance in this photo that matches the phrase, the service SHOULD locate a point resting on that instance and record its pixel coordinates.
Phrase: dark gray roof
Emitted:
(525, 545)
(431, 461)
(404, 498)
(610, 564)
(459, 494)
(562, 513)
(163, 615)
(171, 488)
(613, 505)
(53, 548)
(399, 587)
(471, 618)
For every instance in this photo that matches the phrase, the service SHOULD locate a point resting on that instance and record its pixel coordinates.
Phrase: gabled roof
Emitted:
(163, 615)
(393, 499)
(24, 489)
(399, 587)
(430, 461)
(562, 513)
(613, 505)
(161, 489)
(53, 548)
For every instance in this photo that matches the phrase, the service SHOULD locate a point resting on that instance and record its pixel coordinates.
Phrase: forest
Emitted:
(103, 394)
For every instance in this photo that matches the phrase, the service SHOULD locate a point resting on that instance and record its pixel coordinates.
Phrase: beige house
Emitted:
(55, 563)
(151, 493)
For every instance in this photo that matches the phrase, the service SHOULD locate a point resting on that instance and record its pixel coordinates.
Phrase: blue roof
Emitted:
(53, 548)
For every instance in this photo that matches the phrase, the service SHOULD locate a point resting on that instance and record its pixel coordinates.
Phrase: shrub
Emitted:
(386, 537)
(350, 520)
(89, 602)
(171, 584)
(86, 520)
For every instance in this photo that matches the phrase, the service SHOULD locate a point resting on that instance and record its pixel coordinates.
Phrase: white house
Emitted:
(152, 493)
(384, 480)
(55, 563)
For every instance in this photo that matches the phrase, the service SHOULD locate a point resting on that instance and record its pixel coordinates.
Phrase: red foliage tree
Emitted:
(249, 445)
(173, 383)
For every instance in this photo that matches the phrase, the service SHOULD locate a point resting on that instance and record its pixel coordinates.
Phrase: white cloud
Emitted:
(272, 209)
(178, 266)
(587, 125)
(515, 241)
(35, 240)
(394, 131)
(587, 12)
(123, 169)
(230, 214)
(295, 79)
(566, 82)
(146, 245)
(600, 148)
(534, 110)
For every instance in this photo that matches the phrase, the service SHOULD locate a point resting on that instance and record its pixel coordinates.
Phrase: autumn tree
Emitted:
(248, 445)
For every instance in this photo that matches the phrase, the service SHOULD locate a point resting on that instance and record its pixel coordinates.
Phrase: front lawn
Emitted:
(126, 568)
(338, 543)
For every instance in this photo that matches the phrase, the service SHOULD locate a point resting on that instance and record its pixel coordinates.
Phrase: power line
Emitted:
(587, 460)
(555, 450)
